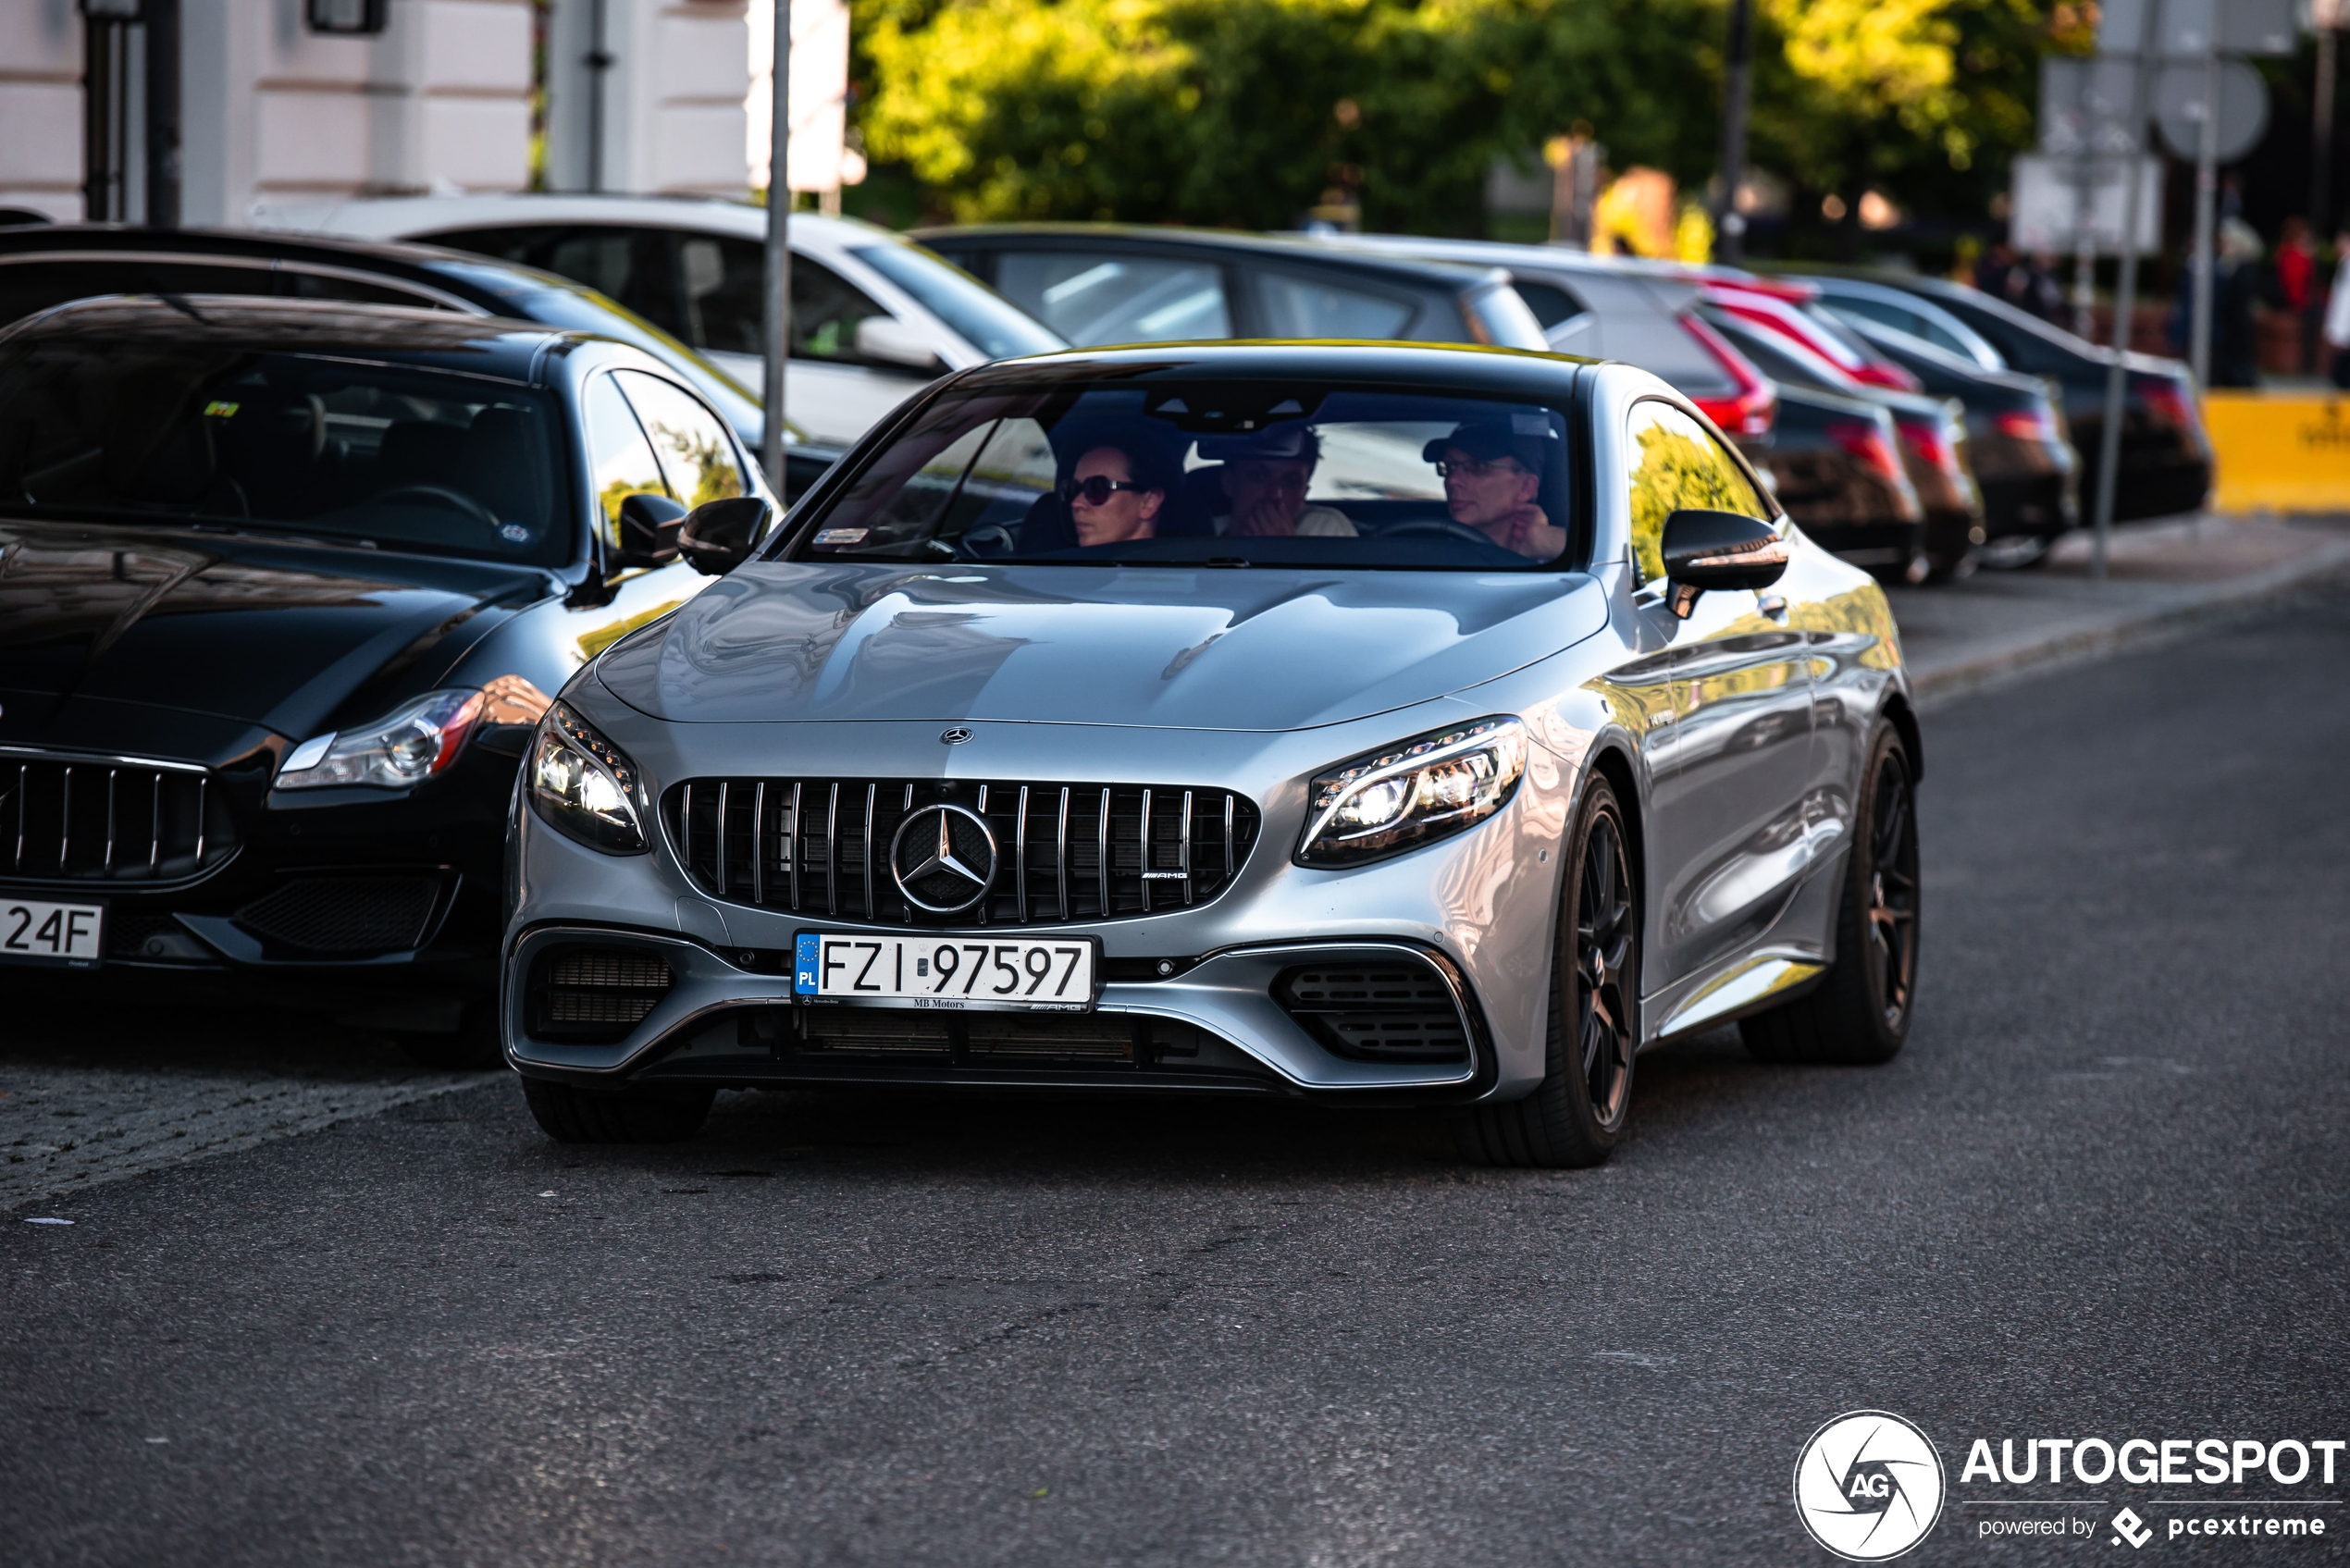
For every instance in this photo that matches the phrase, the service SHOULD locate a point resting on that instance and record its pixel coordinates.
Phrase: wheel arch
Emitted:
(1904, 720)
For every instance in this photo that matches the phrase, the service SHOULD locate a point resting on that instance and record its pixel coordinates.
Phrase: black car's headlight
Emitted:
(583, 786)
(1415, 791)
(407, 746)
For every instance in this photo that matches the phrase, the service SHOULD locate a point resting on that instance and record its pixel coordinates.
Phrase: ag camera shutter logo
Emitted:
(1868, 1485)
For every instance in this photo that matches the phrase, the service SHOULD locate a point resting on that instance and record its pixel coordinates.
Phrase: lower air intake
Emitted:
(1404, 1011)
(596, 995)
(345, 915)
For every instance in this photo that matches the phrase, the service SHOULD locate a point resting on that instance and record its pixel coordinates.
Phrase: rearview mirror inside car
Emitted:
(891, 341)
(1721, 551)
(717, 536)
(648, 531)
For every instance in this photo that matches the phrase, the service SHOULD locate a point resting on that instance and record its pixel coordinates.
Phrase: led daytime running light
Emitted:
(1423, 788)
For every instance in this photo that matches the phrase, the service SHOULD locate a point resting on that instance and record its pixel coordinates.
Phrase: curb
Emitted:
(2236, 599)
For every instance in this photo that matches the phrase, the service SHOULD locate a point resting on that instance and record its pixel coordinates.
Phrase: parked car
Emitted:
(976, 778)
(873, 316)
(42, 267)
(285, 589)
(2166, 456)
(2017, 443)
(1932, 432)
(1108, 283)
(1835, 464)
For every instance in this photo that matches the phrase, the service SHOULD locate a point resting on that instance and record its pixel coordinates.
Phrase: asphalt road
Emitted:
(2101, 1194)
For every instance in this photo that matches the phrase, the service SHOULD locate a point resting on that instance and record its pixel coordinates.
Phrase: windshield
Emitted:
(399, 458)
(1246, 472)
(985, 320)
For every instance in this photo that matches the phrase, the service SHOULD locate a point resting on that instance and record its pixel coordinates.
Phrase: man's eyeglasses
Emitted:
(1477, 468)
(1097, 490)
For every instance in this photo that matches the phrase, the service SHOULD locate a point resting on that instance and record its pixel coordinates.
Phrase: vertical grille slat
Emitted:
(72, 818)
(1109, 844)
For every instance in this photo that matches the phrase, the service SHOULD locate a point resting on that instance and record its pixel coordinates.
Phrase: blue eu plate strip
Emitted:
(804, 961)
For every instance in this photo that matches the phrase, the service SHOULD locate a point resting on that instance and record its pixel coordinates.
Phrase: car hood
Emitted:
(276, 631)
(1166, 648)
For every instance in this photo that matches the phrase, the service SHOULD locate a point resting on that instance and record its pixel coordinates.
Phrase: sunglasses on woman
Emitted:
(1097, 490)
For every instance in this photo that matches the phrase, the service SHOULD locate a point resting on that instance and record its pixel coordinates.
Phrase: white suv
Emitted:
(874, 316)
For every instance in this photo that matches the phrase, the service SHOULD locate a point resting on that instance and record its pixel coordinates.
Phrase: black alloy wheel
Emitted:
(1859, 1013)
(1577, 1114)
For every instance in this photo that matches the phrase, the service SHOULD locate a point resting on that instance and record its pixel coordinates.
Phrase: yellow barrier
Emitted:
(2281, 453)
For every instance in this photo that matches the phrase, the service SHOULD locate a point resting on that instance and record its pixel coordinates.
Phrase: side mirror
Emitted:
(1718, 550)
(717, 536)
(892, 341)
(648, 531)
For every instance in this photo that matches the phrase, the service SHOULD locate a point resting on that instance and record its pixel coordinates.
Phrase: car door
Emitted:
(1727, 829)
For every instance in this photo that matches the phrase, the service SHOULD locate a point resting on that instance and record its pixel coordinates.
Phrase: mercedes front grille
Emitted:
(1059, 852)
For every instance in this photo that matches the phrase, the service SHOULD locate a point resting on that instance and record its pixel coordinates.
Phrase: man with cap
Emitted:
(1265, 477)
(1492, 475)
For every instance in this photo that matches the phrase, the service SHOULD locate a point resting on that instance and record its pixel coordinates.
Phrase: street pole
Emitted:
(163, 114)
(2125, 304)
(2207, 190)
(777, 283)
(1729, 224)
(2328, 16)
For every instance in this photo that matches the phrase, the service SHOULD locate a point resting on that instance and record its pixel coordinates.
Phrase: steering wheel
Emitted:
(1445, 528)
(981, 544)
(438, 495)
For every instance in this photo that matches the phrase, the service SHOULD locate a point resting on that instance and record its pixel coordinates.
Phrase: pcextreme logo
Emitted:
(1868, 1485)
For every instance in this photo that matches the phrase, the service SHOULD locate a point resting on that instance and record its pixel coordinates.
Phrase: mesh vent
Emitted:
(1050, 853)
(597, 994)
(345, 915)
(1398, 1012)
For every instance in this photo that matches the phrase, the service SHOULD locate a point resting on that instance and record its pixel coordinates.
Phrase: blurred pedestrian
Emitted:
(2297, 267)
(2337, 330)
(2237, 289)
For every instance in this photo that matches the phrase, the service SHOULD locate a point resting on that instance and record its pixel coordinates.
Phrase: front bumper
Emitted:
(1475, 910)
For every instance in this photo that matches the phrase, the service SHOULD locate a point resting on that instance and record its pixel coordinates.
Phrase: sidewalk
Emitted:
(2164, 579)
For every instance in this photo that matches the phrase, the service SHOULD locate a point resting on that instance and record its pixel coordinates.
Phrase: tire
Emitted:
(626, 1116)
(1860, 1014)
(1576, 1115)
(475, 1047)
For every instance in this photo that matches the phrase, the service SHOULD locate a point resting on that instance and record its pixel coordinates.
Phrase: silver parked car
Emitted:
(1363, 722)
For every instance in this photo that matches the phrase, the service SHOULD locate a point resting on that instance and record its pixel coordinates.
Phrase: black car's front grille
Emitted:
(74, 819)
(345, 915)
(1061, 852)
(595, 994)
(1403, 1011)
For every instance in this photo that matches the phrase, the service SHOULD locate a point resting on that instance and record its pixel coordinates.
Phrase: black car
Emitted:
(1098, 284)
(285, 587)
(46, 266)
(2166, 456)
(1835, 462)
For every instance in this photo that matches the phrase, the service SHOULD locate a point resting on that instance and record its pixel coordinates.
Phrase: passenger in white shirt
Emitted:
(1264, 480)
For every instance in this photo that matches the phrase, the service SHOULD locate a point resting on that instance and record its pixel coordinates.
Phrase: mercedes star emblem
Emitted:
(955, 737)
(943, 858)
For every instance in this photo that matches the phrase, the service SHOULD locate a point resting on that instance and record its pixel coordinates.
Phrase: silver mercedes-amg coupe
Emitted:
(1367, 722)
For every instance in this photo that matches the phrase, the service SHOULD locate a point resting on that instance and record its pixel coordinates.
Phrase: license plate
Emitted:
(953, 973)
(51, 934)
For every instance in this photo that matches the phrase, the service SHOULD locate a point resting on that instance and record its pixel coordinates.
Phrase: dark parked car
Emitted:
(1930, 433)
(41, 267)
(285, 589)
(1101, 283)
(2166, 457)
(1835, 463)
(2023, 461)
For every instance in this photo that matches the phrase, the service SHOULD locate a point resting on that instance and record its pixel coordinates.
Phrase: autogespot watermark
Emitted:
(1869, 1484)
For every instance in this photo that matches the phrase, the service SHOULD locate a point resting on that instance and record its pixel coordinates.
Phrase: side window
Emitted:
(1675, 463)
(695, 456)
(1093, 297)
(1296, 306)
(618, 454)
(722, 278)
(1552, 305)
(629, 265)
(323, 286)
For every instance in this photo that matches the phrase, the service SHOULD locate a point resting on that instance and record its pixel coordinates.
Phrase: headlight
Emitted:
(407, 746)
(1419, 790)
(583, 786)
